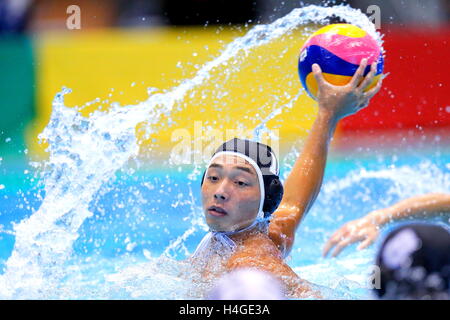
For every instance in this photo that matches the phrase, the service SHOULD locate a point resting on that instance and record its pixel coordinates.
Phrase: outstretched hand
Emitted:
(363, 229)
(342, 101)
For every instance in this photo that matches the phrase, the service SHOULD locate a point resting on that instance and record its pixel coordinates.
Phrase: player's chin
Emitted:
(215, 224)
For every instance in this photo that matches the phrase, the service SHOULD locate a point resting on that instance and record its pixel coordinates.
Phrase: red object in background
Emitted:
(416, 94)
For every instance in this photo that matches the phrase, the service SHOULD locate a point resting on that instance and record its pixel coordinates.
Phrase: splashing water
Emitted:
(86, 153)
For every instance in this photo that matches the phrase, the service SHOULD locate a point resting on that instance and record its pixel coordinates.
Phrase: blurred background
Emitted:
(123, 47)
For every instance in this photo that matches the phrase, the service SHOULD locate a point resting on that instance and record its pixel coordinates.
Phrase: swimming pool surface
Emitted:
(144, 221)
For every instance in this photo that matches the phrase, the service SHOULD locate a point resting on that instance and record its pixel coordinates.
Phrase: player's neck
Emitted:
(254, 230)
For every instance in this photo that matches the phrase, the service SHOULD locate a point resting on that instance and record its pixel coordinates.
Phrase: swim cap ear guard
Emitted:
(274, 194)
(263, 159)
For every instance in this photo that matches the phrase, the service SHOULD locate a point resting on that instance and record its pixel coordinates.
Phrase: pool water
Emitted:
(145, 222)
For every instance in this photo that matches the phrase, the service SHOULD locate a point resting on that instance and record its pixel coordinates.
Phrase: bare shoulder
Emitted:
(260, 252)
(258, 245)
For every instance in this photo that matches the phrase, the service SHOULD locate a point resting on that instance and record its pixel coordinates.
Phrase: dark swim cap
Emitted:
(263, 159)
(414, 262)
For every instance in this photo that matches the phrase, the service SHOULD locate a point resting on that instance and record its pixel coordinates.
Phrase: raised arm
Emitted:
(303, 183)
(367, 228)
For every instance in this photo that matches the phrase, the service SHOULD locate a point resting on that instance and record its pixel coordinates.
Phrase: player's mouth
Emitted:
(217, 211)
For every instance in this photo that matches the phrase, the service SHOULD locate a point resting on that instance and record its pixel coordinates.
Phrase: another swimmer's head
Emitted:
(240, 184)
(414, 263)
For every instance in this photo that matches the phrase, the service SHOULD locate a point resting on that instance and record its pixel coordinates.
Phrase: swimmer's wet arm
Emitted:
(367, 228)
(304, 182)
(423, 206)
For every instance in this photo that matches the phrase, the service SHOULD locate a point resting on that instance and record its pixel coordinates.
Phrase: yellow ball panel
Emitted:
(342, 29)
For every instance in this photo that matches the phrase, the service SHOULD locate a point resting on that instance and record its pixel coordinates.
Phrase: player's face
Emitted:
(230, 194)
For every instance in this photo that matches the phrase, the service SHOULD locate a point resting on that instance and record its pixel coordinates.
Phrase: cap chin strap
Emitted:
(223, 238)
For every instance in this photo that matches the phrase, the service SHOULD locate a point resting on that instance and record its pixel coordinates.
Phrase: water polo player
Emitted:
(414, 262)
(252, 219)
(367, 228)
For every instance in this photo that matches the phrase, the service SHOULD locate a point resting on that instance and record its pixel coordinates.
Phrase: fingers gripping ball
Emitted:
(338, 49)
